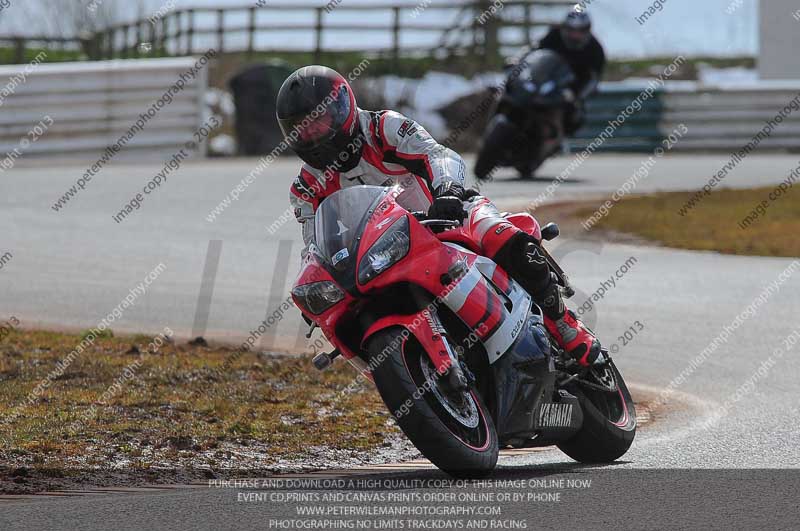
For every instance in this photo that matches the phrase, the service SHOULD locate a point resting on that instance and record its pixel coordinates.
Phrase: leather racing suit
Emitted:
(399, 150)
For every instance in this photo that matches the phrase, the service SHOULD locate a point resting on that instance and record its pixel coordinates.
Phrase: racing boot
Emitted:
(574, 338)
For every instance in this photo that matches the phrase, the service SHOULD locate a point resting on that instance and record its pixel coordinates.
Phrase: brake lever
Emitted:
(440, 225)
(446, 222)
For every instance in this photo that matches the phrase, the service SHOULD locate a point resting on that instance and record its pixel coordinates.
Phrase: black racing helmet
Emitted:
(576, 30)
(318, 116)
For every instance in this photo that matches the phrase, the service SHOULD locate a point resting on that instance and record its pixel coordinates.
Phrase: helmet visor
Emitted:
(320, 123)
(575, 37)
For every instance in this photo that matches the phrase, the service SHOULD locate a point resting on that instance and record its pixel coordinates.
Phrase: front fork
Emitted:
(459, 377)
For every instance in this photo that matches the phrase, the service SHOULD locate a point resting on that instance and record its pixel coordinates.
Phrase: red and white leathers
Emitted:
(398, 149)
(395, 149)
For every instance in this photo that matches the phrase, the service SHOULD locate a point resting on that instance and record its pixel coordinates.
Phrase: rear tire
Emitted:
(609, 423)
(446, 439)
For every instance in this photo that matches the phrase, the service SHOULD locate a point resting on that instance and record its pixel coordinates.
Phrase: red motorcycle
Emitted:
(457, 349)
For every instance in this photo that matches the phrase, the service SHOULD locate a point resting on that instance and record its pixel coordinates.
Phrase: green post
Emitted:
(110, 34)
(178, 32)
(152, 39)
(220, 30)
(139, 38)
(251, 37)
(528, 25)
(19, 50)
(190, 32)
(125, 40)
(162, 39)
(319, 27)
(396, 38)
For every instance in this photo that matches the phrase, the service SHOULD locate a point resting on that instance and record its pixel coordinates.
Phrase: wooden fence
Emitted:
(480, 28)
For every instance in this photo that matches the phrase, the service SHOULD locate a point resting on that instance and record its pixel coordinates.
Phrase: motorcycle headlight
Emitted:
(547, 88)
(386, 251)
(318, 296)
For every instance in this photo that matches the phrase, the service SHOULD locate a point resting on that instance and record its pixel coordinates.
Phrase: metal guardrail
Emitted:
(92, 104)
(724, 117)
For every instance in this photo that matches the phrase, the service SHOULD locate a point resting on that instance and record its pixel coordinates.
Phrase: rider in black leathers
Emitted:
(573, 40)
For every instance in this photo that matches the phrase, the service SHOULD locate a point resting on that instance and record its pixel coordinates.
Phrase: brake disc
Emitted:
(466, 413)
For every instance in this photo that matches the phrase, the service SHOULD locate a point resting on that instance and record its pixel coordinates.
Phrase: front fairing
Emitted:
(313, 270)
(355, 223)
(427, 258)
(541, 81)
(477, 292)
(350, 221)
(454, 276)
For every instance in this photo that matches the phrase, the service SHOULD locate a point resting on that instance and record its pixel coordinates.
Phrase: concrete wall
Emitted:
(779, 39)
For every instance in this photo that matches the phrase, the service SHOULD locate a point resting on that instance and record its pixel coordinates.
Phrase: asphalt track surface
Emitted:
(71, 268)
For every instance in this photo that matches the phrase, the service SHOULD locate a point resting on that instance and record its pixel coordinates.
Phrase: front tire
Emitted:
(609, 422)
(500, 134)
(451, 428)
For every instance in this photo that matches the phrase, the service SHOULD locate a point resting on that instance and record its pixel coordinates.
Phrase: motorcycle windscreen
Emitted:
(410, 195)
(340, 218)
(546, 65)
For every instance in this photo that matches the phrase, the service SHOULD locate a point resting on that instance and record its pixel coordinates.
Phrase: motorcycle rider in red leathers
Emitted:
(343, 145)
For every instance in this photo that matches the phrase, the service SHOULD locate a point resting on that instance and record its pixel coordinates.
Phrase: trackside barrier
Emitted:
(92, 104)
(723, 117)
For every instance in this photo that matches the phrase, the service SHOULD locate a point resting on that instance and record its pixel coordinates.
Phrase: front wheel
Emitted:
(609, 417)
(499, 136)
(450, 427)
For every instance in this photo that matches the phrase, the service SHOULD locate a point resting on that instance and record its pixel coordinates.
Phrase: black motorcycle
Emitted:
(527, 125)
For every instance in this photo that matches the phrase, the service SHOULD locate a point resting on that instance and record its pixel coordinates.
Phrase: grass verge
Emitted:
(122, 414)
(728, 221)
(119, 406)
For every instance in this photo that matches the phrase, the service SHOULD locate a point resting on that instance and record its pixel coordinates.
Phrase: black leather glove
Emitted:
(447, 207)
(470, 194)
(448, 202)
(449, 188)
